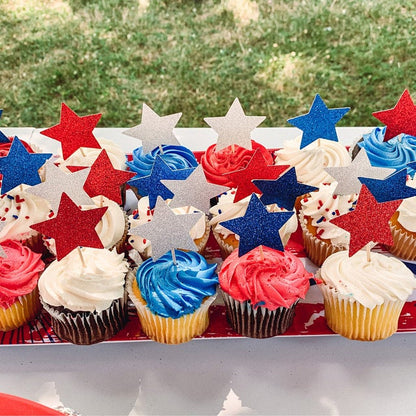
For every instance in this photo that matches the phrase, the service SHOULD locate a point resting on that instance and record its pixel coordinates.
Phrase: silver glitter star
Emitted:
(193, 191)
(235, 127)
(57, 182)
(167, 231)
(154, 130)
(347, 177)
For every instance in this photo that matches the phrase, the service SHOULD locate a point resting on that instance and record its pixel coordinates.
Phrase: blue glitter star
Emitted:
(20, 166)
(152, 186)
(391, 188)
(3, 137)
(319, 123)
(282, 191)
(258, 227)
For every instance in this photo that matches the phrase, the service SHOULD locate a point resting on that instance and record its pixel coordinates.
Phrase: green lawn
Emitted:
(109, 56)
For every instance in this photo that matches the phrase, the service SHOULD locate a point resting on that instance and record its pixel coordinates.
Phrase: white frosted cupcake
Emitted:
(86, 297)
(363, 299)
(226, 210)
(199, 232)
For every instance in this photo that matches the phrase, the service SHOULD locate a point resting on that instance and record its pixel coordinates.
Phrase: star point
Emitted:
(154, 130)
(235, 127)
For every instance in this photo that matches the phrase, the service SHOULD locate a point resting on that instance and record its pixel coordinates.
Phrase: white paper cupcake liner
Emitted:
(404, 245)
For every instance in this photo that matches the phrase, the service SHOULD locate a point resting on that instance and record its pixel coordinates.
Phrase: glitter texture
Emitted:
(256, 168)
(72, 227)
(369, 222)
(283, 191)
(258, 227)
(154, 130)
(20, 166)
(193, 191)
(399, 119)
(235, 127)
(167, 231)
(73, 131)
(319, 123)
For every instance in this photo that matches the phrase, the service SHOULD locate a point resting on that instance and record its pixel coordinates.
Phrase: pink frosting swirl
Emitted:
(278, 280)
(19, 272)
(215, 164)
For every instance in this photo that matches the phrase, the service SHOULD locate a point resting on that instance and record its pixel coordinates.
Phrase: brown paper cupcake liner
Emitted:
(168, 330)
(24, 309)
(352, 320)
(404, 244)
(317, 250)
(225, 248)
(259, 322)
(85, 328)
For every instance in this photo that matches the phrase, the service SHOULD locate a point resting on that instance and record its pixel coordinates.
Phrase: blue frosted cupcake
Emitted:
(172, 301)
(395, 153)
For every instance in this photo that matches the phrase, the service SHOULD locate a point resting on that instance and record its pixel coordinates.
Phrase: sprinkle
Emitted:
(334, 196)
(144, 241)
(320, 220)
(6, 209)
(18, 207)
(27, 217)
(10, 196)
(15, 217)
(219, 211)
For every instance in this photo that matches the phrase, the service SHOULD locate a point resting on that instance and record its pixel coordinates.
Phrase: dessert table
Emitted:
(322, 375)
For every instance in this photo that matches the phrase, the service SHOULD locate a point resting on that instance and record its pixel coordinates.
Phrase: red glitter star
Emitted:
(400, 119)
(368, 222)
(256, 168)
(104, 180)
(74, 131)
(72, 227)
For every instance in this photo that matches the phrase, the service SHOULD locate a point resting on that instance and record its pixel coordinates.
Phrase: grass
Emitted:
(109, 56)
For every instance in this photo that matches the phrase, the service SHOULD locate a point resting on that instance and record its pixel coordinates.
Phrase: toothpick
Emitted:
(21, 188)
(101, 203)
(368, 250)
(81, 257)
(261, 253)
(173, 256)
(82, 152)
(161, 149)
(233, 148)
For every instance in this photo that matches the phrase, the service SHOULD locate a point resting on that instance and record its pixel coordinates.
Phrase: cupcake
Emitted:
(172, 300)
(199, 232)
(310, 161)
(261, 290)
(85, 296)
(363, 299)
(111, 229)
(19, 273)
(226, 209)
(395, 153)
(232, 158)
(321, 238)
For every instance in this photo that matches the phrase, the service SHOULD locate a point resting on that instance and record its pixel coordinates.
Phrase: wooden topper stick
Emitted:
(173, 256)
(368, 250)
(161, 149)
(261, 253)
(81, 256)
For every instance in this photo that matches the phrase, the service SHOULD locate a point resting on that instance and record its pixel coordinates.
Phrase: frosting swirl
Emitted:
(175, 290)
(278, 280)
(93, 287)
(216, 164)
(369, 283)
(19, 272)
(176, 157)
(322, 206)
(395, 153)
(310, 161)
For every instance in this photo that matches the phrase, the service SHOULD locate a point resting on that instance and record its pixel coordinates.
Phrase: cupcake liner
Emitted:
(352, 320)
(24, 309)
(121, 245)
(85, 328)
(168, 330)
(259, 322)
(316, 249)
(404, 243)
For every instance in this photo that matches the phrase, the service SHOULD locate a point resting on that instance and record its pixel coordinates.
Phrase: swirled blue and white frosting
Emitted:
(396, 153)
(176, 157)
(173, 290)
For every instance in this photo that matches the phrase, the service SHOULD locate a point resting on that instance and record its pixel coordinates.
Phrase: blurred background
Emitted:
(109, 56)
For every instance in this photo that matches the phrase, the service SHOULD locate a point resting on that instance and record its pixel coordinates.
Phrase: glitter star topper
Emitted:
(235, 127)
(193, 191)
(369, 222)
(72, 227)
(319, 123)
(154, 130)
(74, 131)
(21, 167)
(167, 231)
(347, 176)
(400, 119)
(258, 227)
